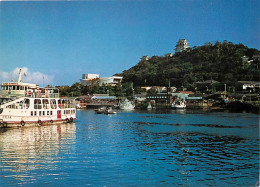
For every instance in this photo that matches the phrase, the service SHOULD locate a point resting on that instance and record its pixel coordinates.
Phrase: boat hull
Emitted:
(22, 123)
(179, 105)
(34, 123)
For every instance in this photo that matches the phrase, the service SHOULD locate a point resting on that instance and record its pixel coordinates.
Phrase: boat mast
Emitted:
(20, 76)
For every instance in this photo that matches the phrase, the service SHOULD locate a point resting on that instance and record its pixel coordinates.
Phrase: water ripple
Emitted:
(134, 149)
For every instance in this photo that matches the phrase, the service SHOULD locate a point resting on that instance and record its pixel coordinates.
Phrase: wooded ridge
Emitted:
(224, 62)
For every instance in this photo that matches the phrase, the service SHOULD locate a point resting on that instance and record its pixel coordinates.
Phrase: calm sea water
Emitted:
(168, 148)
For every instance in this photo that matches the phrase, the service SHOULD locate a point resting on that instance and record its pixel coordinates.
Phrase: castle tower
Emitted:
(181, 45)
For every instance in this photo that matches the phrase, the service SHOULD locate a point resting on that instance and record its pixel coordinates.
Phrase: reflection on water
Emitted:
(32, 148)
(135, 149)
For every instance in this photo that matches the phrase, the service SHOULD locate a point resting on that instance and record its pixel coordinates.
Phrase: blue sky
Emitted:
(62, 40)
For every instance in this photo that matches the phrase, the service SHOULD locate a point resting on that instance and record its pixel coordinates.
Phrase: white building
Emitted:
(113, 81)
(181, 45)
(89, 79)
(90, 76)
(94, 79)
(249, 84)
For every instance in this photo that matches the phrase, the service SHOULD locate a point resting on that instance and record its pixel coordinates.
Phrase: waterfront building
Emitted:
(206, 85)
(103, 97)
(140, 97)
(181, 45)
(159, 89)
(159, 98)
(146, 88)
(182, 94)
(249, 85)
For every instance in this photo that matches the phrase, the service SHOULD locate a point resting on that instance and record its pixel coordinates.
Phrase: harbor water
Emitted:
(139, 148)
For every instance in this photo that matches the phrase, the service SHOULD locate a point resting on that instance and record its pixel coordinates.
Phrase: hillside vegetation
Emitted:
(221, 62)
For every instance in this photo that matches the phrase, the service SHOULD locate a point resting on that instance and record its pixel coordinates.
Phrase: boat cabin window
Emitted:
(53, 104)
(2, 100)
(68, 103)
(17, 88)
(45, 103)
(61, 103)
(26, 103)
(17, 105)
(20, 105)
(37, 104)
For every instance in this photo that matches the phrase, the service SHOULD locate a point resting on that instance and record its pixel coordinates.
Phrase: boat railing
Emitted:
(44, 95)
(11, 99)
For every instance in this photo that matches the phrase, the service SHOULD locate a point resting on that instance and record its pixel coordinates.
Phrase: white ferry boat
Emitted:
(23, 104)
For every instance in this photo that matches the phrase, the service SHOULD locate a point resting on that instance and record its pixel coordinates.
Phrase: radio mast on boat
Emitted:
(20, 76)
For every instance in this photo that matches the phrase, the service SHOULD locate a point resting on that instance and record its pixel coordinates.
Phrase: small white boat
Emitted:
(100, 110)
(109, 110)
(78, 106)
(22, 104)
(127, 105)
(149, 107)
(179, 104)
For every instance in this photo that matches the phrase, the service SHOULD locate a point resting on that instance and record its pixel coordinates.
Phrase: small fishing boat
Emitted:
(100, 110)
(103, 110)
(78, 106)
(110, 110)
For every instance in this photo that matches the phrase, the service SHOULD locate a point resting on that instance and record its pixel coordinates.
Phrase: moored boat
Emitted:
(110, 110)
(100, 110)
(107, 110)
(149, 107)
(24, 104)
(126, 105)
(179, 104)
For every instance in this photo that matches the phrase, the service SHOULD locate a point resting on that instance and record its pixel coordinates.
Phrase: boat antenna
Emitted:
(20, 76)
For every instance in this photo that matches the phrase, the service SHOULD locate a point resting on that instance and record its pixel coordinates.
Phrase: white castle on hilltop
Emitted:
(181, 45)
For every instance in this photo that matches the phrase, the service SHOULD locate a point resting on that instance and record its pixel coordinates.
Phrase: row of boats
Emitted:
(125, 105)
(128, 105)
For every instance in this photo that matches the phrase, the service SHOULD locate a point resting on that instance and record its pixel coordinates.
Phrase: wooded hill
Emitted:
(222, 62)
